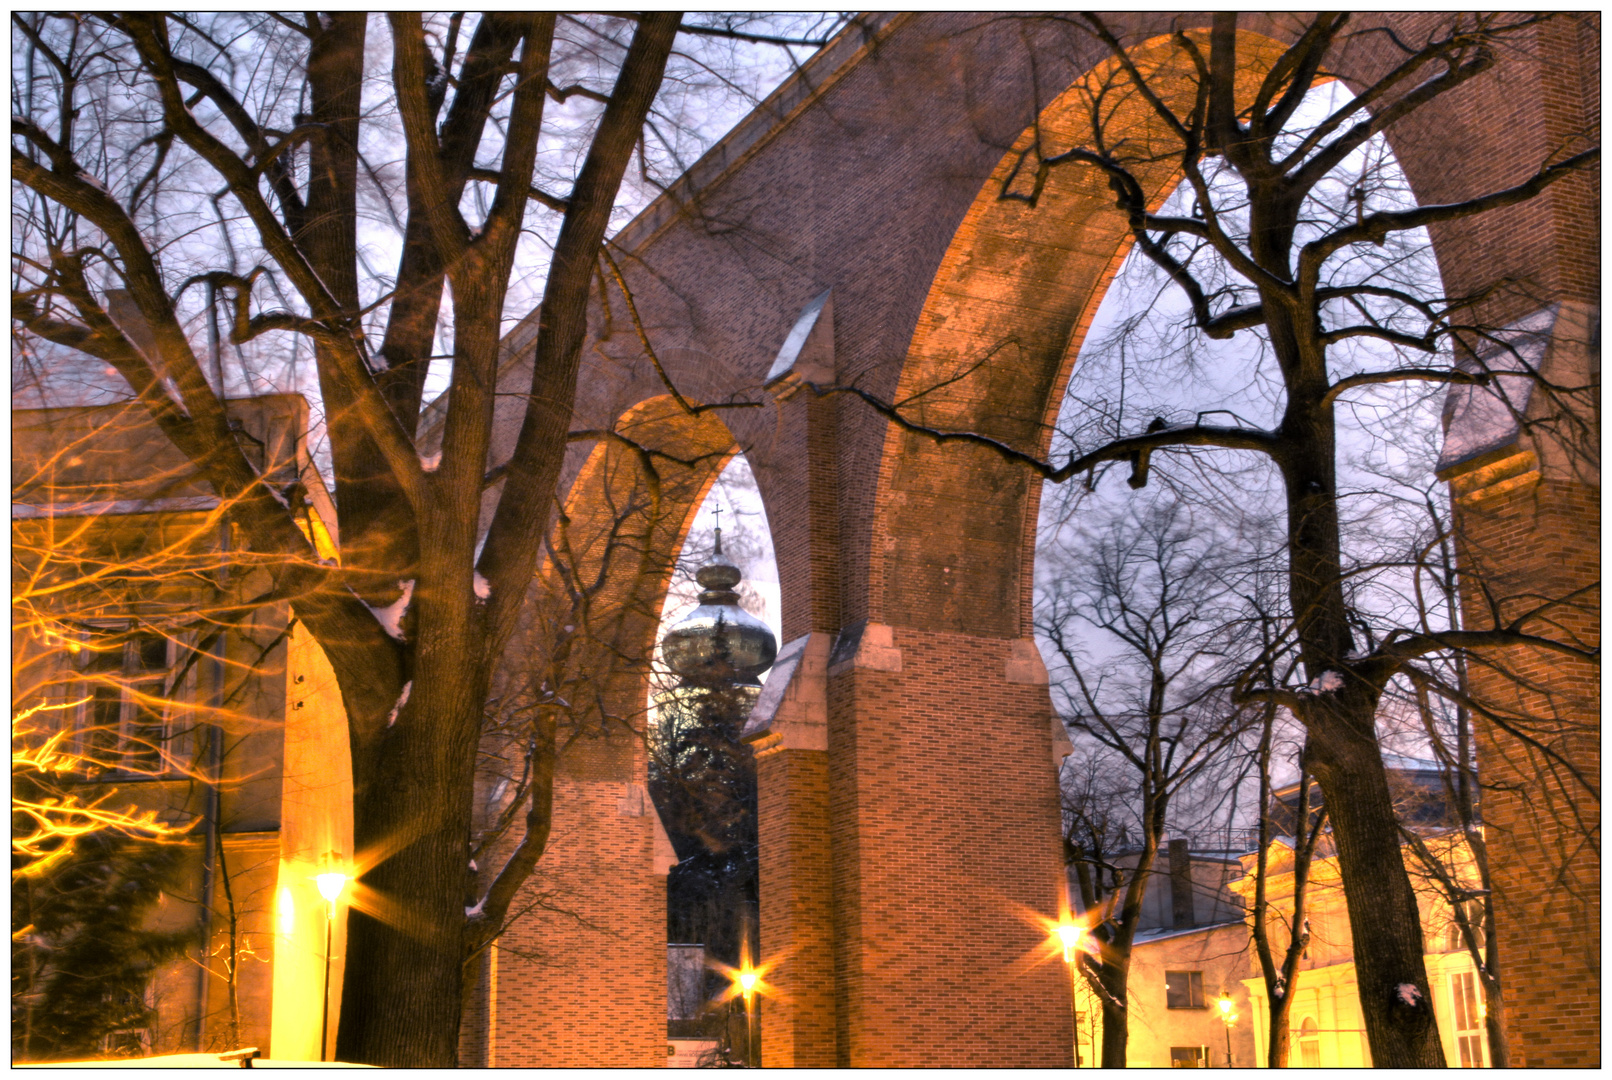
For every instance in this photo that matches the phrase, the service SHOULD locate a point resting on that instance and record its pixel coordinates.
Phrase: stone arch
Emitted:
(993, 350)
(628, 512)
(952, 532)
(906, 839)
(600, 887)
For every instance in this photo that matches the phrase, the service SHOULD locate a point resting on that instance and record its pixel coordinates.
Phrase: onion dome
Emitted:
(719, 643)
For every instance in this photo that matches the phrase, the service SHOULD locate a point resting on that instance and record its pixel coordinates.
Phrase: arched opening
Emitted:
(1309, 1039)
(592, 916)
(701, 776)
(1008, 308)
(1187, 567)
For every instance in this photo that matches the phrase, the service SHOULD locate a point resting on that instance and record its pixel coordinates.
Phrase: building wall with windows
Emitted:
(182, 691)
(1326, 1027)
(1178, 979)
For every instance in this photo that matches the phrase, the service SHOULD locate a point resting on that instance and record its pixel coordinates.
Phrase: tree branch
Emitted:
(1374, 229)
(1134, 448)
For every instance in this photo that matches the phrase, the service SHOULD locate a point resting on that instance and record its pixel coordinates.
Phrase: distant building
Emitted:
(1326, 1026)
(1190, 951)
(1194, 948)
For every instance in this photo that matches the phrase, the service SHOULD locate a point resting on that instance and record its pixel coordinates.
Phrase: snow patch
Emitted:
(402, 700)
(473, 865)
(172, 389)
(472, 912)
(1408, 994)
(429, 464)
(483, 588)
(1328, 682)
(391, 616)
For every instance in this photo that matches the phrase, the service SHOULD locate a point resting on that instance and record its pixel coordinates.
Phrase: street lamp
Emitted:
(330, 883)
(747, 979)
(1228, 1018)
(1069, 934)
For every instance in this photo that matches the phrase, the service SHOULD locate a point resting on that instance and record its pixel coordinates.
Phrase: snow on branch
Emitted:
(391, 616)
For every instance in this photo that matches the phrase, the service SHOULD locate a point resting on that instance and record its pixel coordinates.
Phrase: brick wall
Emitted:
(1542, 823)
(939, 790)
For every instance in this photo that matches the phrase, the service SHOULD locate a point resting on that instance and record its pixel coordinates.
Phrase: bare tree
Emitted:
(1301, 239)
(1149, 688)
(1456, 864)
(1282, 976)
(276, 162)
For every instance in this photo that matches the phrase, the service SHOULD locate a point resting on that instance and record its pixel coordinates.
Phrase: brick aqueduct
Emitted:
(848, 230)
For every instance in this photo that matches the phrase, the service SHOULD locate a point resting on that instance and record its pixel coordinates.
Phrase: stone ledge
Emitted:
(792, 711)
(865, 646)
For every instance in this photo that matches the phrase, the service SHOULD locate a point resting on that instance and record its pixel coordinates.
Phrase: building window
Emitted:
(1468, 1019)
(1189, 1057)
(1454, 941)
(1309, 1044)
(1183, 989)
(129, 684)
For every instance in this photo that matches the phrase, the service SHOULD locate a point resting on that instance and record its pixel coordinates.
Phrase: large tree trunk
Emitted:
(1494, 1026)
(1280, 1047)
(1116, 1023)
(1340, 717)
(1384, 923)
(411, 824)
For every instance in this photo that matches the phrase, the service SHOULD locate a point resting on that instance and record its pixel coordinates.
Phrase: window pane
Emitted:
(1461, 991)
(1188, 1057)
(1183, 989)
(142, 749)
(151, 652)
(102, 721)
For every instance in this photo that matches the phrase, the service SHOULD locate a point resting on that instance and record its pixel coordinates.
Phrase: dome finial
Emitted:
(719, 642)
(717, 513)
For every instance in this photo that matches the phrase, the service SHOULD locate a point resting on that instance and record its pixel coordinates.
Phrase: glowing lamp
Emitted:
(331, 885)
(1225, 1006)
(1070, 934)
(747, 981)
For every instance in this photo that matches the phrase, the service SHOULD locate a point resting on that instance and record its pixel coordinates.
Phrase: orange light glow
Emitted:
(56, 819)
(331, 885)
(746, 980)
(288, 913)
(1070, 934)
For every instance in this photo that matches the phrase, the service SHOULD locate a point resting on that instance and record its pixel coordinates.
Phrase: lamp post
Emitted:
(747, 978)
(1069, 934)
(1227, 1017)
(330, 882)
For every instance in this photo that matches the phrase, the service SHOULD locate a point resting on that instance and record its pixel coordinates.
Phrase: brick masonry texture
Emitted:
(1543, 827)
(942, 828)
